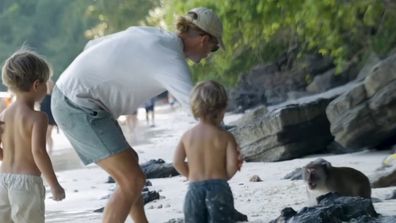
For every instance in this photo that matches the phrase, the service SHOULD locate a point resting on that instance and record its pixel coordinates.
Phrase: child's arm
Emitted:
(1, 136)
(233, 161)
(41, 157)
(179, 159)
(2, 123)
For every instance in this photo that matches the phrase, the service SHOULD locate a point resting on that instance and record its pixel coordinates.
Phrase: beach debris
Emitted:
(155, 169)
(175, 220)
(391, 196)
(255, 178)
(158, 169)
(150, 196)
(296, 174)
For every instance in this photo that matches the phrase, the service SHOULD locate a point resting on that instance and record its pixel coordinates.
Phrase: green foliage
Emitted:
(59, 29)
(255, 31)
(53, 28)
(259, 30)
(116, 15)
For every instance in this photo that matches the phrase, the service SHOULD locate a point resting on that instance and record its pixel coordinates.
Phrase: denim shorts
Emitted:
(209, 201)
(94, 133)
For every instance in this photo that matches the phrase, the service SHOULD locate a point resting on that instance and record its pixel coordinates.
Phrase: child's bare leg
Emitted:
(124, 169)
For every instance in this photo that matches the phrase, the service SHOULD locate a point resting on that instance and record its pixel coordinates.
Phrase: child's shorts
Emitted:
(21, 198)
(209, 201)
(93, 133)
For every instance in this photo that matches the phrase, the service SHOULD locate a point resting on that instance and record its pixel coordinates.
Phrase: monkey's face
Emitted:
(314, 177)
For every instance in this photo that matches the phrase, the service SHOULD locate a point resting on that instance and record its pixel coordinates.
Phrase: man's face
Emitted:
(205, 46)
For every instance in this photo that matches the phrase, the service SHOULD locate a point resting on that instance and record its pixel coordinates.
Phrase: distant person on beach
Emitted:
(45, 106)
(212, 158)
(113, 76)
(172, 102)
(149, 107)
(131, 121)
(24, 155)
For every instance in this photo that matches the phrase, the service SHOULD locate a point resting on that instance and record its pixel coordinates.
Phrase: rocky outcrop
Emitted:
(272, 83)
(365, 115)
(360, 114)
(285, 132)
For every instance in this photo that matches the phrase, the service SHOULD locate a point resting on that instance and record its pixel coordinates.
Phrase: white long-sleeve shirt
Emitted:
(121, 71)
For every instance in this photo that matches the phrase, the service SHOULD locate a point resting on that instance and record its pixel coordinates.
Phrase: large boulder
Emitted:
(365, 115)
(285, 132)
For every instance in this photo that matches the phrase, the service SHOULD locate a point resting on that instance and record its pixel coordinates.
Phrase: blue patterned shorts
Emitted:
(209, 201)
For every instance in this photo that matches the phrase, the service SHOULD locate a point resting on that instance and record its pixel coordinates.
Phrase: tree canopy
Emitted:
(255, 31)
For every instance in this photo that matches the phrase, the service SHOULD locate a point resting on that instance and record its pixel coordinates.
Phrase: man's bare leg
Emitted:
(126, 199)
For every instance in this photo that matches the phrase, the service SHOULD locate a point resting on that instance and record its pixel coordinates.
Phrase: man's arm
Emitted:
(179, 159)
(178, 82)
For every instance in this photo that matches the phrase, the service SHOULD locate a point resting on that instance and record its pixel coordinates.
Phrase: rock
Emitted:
(255, 178)
(296, 174)
(371, 61)
(158, 169)
(238, 216)
(322, 82)
(335, 208)
(154, 169)
(391, 196)
(99, 210)
(148, 183)
(364, 116)
(250, 116)
(175, 220)
(150, 196)
(270, 84)
(286, 214)
(336, 148)
(385, 178)
(287, 131)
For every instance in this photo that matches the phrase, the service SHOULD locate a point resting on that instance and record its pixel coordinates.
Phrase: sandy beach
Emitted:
(87, 190)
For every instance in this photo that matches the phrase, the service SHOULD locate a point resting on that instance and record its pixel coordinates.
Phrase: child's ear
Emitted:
(36, 84)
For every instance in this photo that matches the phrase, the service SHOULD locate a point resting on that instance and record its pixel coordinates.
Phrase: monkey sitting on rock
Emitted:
(321, 178)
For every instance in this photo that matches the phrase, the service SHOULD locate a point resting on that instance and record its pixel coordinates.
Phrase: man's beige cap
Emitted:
(208, 21)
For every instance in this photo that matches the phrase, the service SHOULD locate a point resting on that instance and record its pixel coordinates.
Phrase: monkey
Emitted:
(321, 178)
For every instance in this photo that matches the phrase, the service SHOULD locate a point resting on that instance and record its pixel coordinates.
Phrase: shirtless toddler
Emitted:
(212, 158)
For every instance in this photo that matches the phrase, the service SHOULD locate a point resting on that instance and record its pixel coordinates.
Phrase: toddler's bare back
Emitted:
(17, 141)
(206, 151)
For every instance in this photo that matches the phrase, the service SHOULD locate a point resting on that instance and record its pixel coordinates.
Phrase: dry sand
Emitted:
(86, 189)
